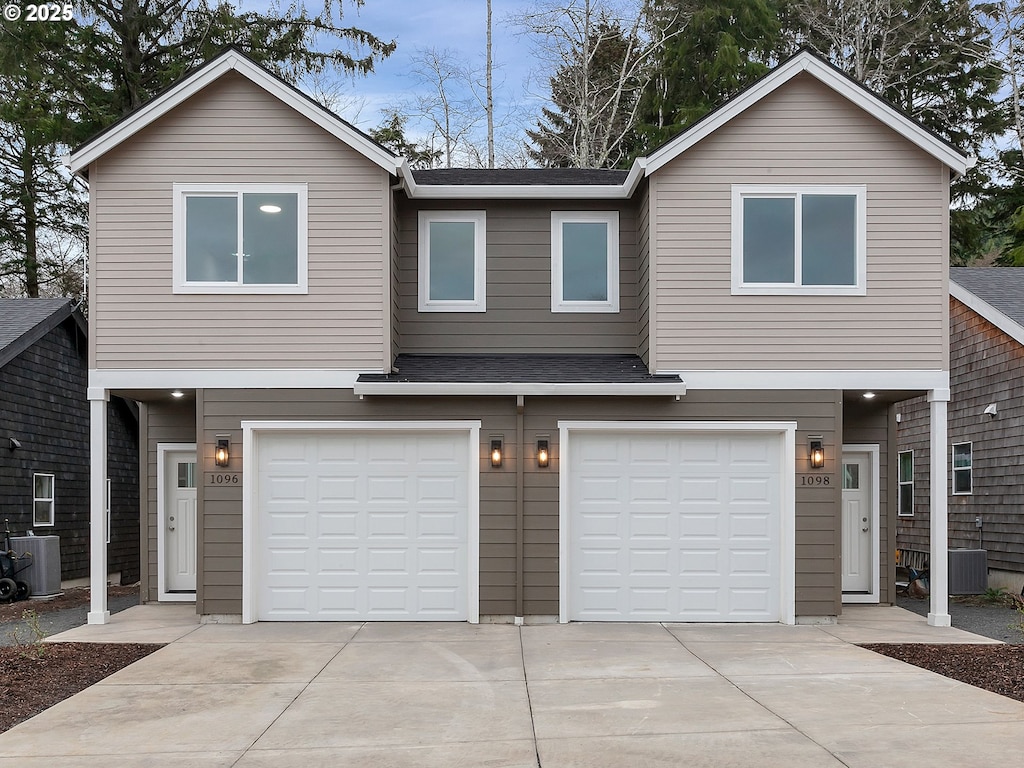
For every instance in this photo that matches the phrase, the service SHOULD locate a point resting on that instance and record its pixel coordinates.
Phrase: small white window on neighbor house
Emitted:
(42, 499)
(584, 261)
(905, 503)
(789, 240)
(452, 263)
(240, 238)
(963, 474)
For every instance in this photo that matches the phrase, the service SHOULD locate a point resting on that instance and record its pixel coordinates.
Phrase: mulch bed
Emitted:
(36, 676)
(996, 668)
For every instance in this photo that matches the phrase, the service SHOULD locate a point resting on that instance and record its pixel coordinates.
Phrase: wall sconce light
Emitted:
(543, 454)
(817, 452)
(222, 455)
(496, 452)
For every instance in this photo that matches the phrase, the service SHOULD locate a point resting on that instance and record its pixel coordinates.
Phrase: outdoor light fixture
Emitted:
(177, 394)
(543, 455)
(496, 453)
(817, 451)
(222, 455)
(15, 442)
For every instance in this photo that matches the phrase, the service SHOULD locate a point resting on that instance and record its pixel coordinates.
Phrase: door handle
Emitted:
(170, 524)
(865, 529)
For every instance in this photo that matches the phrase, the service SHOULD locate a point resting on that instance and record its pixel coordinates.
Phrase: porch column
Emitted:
(938, 616)
(98, 613)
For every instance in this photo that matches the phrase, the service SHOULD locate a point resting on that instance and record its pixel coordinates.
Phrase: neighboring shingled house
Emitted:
(44, 438)
(986, 427)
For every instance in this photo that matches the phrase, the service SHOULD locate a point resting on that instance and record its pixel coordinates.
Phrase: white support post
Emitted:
(938, 565)
(98, 613)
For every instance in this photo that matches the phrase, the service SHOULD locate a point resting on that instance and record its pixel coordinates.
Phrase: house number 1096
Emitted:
(223, 478)
(815, 480)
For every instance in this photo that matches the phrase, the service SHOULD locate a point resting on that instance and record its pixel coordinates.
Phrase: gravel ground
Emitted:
(972, 614)
(54, 622)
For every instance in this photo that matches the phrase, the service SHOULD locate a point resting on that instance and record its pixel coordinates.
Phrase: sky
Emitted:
(458, 25)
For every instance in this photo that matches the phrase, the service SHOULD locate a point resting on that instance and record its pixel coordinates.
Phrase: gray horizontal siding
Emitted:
(234, 132)
(518, 316)
(802, 134)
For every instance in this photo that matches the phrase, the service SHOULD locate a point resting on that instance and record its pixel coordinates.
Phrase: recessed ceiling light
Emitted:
(177, 393)
(270, 208)
(869, 395)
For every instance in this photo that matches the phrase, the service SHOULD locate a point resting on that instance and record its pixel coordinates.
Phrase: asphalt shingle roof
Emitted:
(521, 176)
(1002, 287)
(519, 369)
(19, 317)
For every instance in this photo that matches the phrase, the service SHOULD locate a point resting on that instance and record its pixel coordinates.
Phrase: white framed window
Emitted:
(42, 499)
(905, 477)
(963, 474)
(584, 261)
(790, 240)
(452, 261)
(240, 238)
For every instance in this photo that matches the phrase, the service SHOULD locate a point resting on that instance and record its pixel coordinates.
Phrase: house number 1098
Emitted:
(815, 480)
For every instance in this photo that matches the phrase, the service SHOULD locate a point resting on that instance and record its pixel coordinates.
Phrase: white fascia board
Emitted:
(666, 389)
(230, 61)
(172, 378)
(809, 379)
(807, 62)
(1001, 321)
(519, 191)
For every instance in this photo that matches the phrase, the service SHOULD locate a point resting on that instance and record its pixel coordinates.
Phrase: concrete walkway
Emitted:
(593, 695)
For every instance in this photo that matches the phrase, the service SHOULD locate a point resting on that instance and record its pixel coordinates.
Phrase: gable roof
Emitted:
(995, 293)
(23, 322)
(231, 60)
(806, 61)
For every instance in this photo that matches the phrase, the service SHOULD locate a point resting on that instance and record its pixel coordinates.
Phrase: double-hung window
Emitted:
(240, 238)
(452, 264)
(905, 504)
(584, 261)
(963, 472)
(42, 499)
(789, 240)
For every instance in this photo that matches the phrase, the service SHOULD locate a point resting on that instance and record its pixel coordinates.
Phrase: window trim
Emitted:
(181, 285)
(740, 192)
(51, 499)
(479, 302)
(900, 512)
(969, 468)
(611, 219)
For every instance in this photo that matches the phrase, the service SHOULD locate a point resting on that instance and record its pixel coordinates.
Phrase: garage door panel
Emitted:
(674, 525)
(383, 518)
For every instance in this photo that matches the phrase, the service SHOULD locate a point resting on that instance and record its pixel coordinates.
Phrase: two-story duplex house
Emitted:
(372, 393)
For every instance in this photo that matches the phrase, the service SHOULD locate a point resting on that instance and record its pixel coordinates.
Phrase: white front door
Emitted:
(858, 521)
(179, 522)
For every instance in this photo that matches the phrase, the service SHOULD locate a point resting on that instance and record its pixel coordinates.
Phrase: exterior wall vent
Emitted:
(968, 571)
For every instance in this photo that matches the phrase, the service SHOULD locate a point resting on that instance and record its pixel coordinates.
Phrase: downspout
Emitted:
(520, 506)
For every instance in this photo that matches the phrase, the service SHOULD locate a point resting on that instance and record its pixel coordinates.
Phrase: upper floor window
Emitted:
(42, 499)
(240, 238)
(799, 240)
(452, 264)
(905, 503)
(584, 261)
(963, 472)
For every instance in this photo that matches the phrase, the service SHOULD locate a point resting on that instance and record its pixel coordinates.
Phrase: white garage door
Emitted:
(674, 526)
(363, 526)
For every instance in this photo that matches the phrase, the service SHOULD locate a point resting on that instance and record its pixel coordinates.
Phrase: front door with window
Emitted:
(858, 559)
(179, 522)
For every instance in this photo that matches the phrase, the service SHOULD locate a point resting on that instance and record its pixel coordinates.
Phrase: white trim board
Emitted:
(873, 451)
(666, 389)
(242, 378)
(251, 431)
(229, 61)
(787, 494)
(813, 379)
(995, 316)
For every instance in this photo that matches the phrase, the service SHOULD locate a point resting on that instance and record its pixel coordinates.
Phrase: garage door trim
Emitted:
(253, 430)
(787, 541)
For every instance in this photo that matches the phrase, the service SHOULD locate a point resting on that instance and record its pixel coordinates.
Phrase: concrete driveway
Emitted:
(446, 695)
